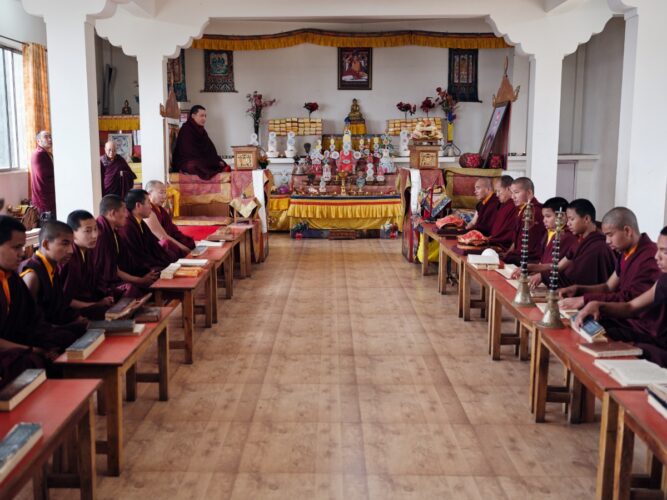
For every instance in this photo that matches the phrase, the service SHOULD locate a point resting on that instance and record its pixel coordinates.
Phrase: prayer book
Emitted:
(147, 315)
(198, 250)
(188, 272)
(206, 243)
(16, 444)
(125, 307)
(611, 349)
(221, 236)
(657, 405)
(85, 344)
(484, 261)
(659, 391)
(507, 271)
(192, 262)
(115, 326)
(633, 372)
(19, 388)
(168, 272)
(590, 330)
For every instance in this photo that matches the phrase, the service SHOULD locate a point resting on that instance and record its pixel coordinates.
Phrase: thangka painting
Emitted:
(355, 68)
(219, 71)
(176, 76)
(462, 80)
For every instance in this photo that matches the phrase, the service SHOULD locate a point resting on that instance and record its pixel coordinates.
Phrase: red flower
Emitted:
(427, 105)
(311, 106)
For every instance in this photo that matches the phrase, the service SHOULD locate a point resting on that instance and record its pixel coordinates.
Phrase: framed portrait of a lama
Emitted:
(492, 130)
(355, 68)
(123, 143)
(219, 71)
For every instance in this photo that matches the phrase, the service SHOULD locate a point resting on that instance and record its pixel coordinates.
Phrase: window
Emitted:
(11, 108)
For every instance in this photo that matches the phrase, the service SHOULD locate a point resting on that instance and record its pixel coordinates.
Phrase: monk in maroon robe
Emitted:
(42, 182)
(523, 195)
(502, 230)
(24, 339)
(654, 342)
(109, 256)
(195, 153)
(174, 242)
(487, 207)
(591, 261)
(78, 275)
(142, 249)
(117, 176)
(40, 274)
(636, 270)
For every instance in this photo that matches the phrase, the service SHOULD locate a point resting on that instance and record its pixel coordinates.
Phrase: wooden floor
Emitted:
(337, 371)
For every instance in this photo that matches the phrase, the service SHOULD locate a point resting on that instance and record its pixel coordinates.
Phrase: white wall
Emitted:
(17, 24)
(124, 83)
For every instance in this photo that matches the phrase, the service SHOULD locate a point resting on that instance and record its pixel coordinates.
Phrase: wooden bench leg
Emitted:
(460, 291)
(214, 294)
(39, 489)
(541, 381)
(625, 441)
(228, 266)
(466, 294)
(535, 341)
(524, 337)
(163, 364)
(188, 324)
(131, 383)
(607, 450)
(114, 402)
(495, 324)
(208, 302)
(442, 272)
(426, 241)
(86, 442)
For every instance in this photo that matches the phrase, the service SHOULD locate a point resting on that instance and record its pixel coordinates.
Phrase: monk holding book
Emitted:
(654, 300)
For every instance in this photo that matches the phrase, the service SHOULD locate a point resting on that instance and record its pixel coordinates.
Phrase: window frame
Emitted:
(14, 121)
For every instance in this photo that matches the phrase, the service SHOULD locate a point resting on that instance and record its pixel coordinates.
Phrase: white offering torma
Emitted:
(254, 140)
(291, 145)
(273, 145)
(404, 143)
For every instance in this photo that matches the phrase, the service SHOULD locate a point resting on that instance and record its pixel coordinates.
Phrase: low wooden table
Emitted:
(115, 357)
(63, 408)
(446, 255)
(222, 257)
(184, 289)
(244, 231)
(626, 413)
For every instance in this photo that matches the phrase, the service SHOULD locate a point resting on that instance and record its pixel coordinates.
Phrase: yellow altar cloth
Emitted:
(113, 123)
(345, 212)
(278, 207)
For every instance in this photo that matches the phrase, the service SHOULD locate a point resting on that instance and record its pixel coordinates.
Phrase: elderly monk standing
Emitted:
(117, 176)
(162, 226)
(195, 153)
(487, 206)
(41, 170)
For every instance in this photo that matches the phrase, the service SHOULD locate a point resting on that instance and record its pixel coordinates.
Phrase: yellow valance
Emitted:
(328, 208)
(347, 39)
(113, 123)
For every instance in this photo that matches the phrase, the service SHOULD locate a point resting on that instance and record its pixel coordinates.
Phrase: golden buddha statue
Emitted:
(355, 119)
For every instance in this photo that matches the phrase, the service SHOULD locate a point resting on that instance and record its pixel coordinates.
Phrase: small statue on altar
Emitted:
(361, 182)
(426, 130)
(332, 144)
(346, 161)
(404, 143)
(316, 157)
(386, 163)
(323, 185)
(355, 112)
(326, 172)
(127, 110)
(254, 139)
(290, 152)
(273, 146)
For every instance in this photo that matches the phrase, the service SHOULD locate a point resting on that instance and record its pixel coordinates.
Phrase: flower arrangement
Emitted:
(446, 103)
(427, 105)
(257, 104)
(311, 106)
(406, 108)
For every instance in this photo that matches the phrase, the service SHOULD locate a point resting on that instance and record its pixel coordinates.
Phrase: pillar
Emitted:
(543, 122)
(152, 93)
(641, 182)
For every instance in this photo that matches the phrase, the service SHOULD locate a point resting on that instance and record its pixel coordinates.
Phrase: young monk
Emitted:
(109, 256)
(502, 230)
(21, 342)
(78, 275)
(160, 223)
(523, 194)
(591, 261)
(653, 342)
(636, 269)
(40, 274)
(487, 206)
(550, 209)
(142, 248)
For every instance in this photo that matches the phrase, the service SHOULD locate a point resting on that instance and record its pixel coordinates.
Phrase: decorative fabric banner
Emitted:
(462, 81)
(219, 71)
(347, 39)
(176, 76)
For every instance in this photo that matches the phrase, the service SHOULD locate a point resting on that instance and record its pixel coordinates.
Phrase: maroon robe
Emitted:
(195, 153)
(567, 242)
(141, 249)
(79, 281)
(21, 321)
(106, 257)
(14, 361)
(636, 274)
(502, 231)
(486, 214)
(55, 306)
(536, 235)
(654, 342)
(591, 263)
(117, 176)
(172, 229)
(42, 182)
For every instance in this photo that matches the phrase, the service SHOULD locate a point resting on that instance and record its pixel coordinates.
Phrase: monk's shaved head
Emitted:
(524, 183)
(153, 185)
(505, 181)
(484, 182)
(110, 202)
(620, 217)
(54, 229)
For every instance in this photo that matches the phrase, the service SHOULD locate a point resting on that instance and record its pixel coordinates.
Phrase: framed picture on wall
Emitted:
(355, 68)
(492, 130)
(123, 143)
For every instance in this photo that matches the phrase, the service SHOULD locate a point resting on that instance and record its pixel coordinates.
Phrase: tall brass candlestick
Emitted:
(522, 297)
(551, 318)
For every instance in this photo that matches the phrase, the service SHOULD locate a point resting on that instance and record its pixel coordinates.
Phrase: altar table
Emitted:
(345, 212)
